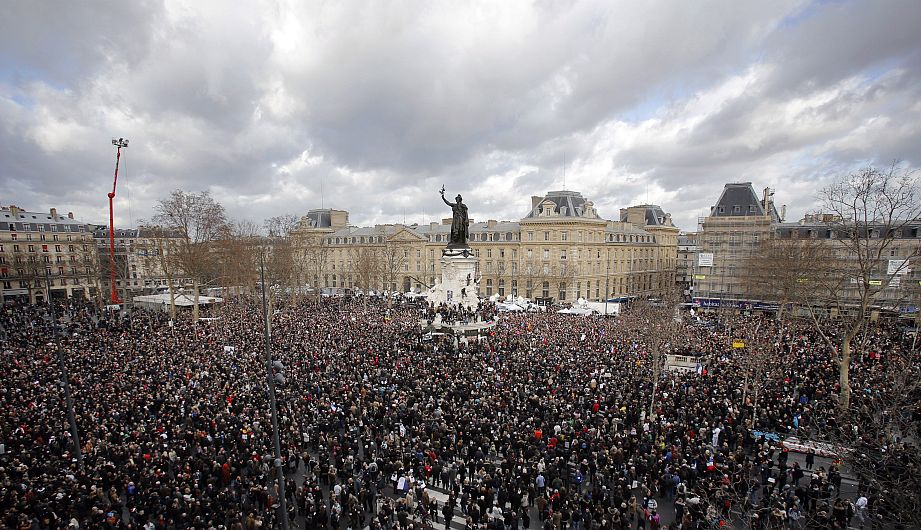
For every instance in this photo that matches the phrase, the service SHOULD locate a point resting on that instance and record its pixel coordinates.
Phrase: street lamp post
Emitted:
(607, 277)
(282, 500)
(65, 377)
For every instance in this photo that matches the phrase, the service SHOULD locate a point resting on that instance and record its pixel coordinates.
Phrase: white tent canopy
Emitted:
(162, 302)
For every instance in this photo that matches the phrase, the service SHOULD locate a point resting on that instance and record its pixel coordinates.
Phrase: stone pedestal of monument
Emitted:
(459, 283)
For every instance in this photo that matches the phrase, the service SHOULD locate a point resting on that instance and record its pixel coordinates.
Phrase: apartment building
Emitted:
(45, 254)
(728, 238)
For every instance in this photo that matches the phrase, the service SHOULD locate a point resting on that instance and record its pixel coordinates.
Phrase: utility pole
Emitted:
(121, 142)
(270, 377)
(65, 377)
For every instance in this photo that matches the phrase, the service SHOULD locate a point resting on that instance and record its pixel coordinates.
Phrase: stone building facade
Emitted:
(732, 244)
(728, 238)
(560, 250)
(38, 249)
(686, 264)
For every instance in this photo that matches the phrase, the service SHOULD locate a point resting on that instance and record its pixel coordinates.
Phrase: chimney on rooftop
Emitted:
(54, 214)
(70, 215)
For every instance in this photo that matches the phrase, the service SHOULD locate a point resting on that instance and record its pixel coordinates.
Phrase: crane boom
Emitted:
(121, 142)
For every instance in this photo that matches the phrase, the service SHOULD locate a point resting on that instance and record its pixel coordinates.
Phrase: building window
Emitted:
(564, 236)
(530, 236)
(546, 289)
(546, 236)
(562, 291)
(546, 253)
(562, 254)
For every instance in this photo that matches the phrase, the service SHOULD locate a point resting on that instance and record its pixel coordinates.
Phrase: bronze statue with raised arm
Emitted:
(459, 224)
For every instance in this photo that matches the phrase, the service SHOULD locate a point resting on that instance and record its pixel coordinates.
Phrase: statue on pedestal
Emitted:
(459, 223)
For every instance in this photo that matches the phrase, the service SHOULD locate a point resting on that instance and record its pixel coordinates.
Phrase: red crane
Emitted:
(121, 142)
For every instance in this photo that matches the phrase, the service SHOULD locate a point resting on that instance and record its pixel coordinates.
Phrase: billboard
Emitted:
(705, 259)
(897, 266)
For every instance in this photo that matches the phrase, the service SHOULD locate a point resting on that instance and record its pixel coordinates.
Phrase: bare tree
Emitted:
(199, 222)
(240, 260)
(365, 267)
(281, 226)
(868, 211)
(311, 252)
(878, 444)
(282, 265)
(786, 270)
(656, 321)
(393, 259)
(160, 255)
(884, 438)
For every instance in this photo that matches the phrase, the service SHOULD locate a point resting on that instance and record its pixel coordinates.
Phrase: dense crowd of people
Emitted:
(549, 421)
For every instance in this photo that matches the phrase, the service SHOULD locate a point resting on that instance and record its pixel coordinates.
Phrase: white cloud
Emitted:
(378, 104)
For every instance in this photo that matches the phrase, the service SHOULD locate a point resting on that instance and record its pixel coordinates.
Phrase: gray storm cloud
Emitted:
(378, 104)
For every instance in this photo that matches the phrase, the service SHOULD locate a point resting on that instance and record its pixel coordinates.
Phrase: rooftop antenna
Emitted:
(564, 170)
(321, 192)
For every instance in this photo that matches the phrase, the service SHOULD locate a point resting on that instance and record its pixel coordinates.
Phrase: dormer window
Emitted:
(737, 209)
(563, 210)
(722, 209)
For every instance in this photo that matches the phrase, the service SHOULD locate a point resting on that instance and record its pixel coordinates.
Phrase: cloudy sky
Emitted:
(282, 106)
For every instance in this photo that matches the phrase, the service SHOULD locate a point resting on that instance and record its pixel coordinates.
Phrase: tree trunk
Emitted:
(652, 401)
(914, 340)
(195, 310)
(844, 370)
